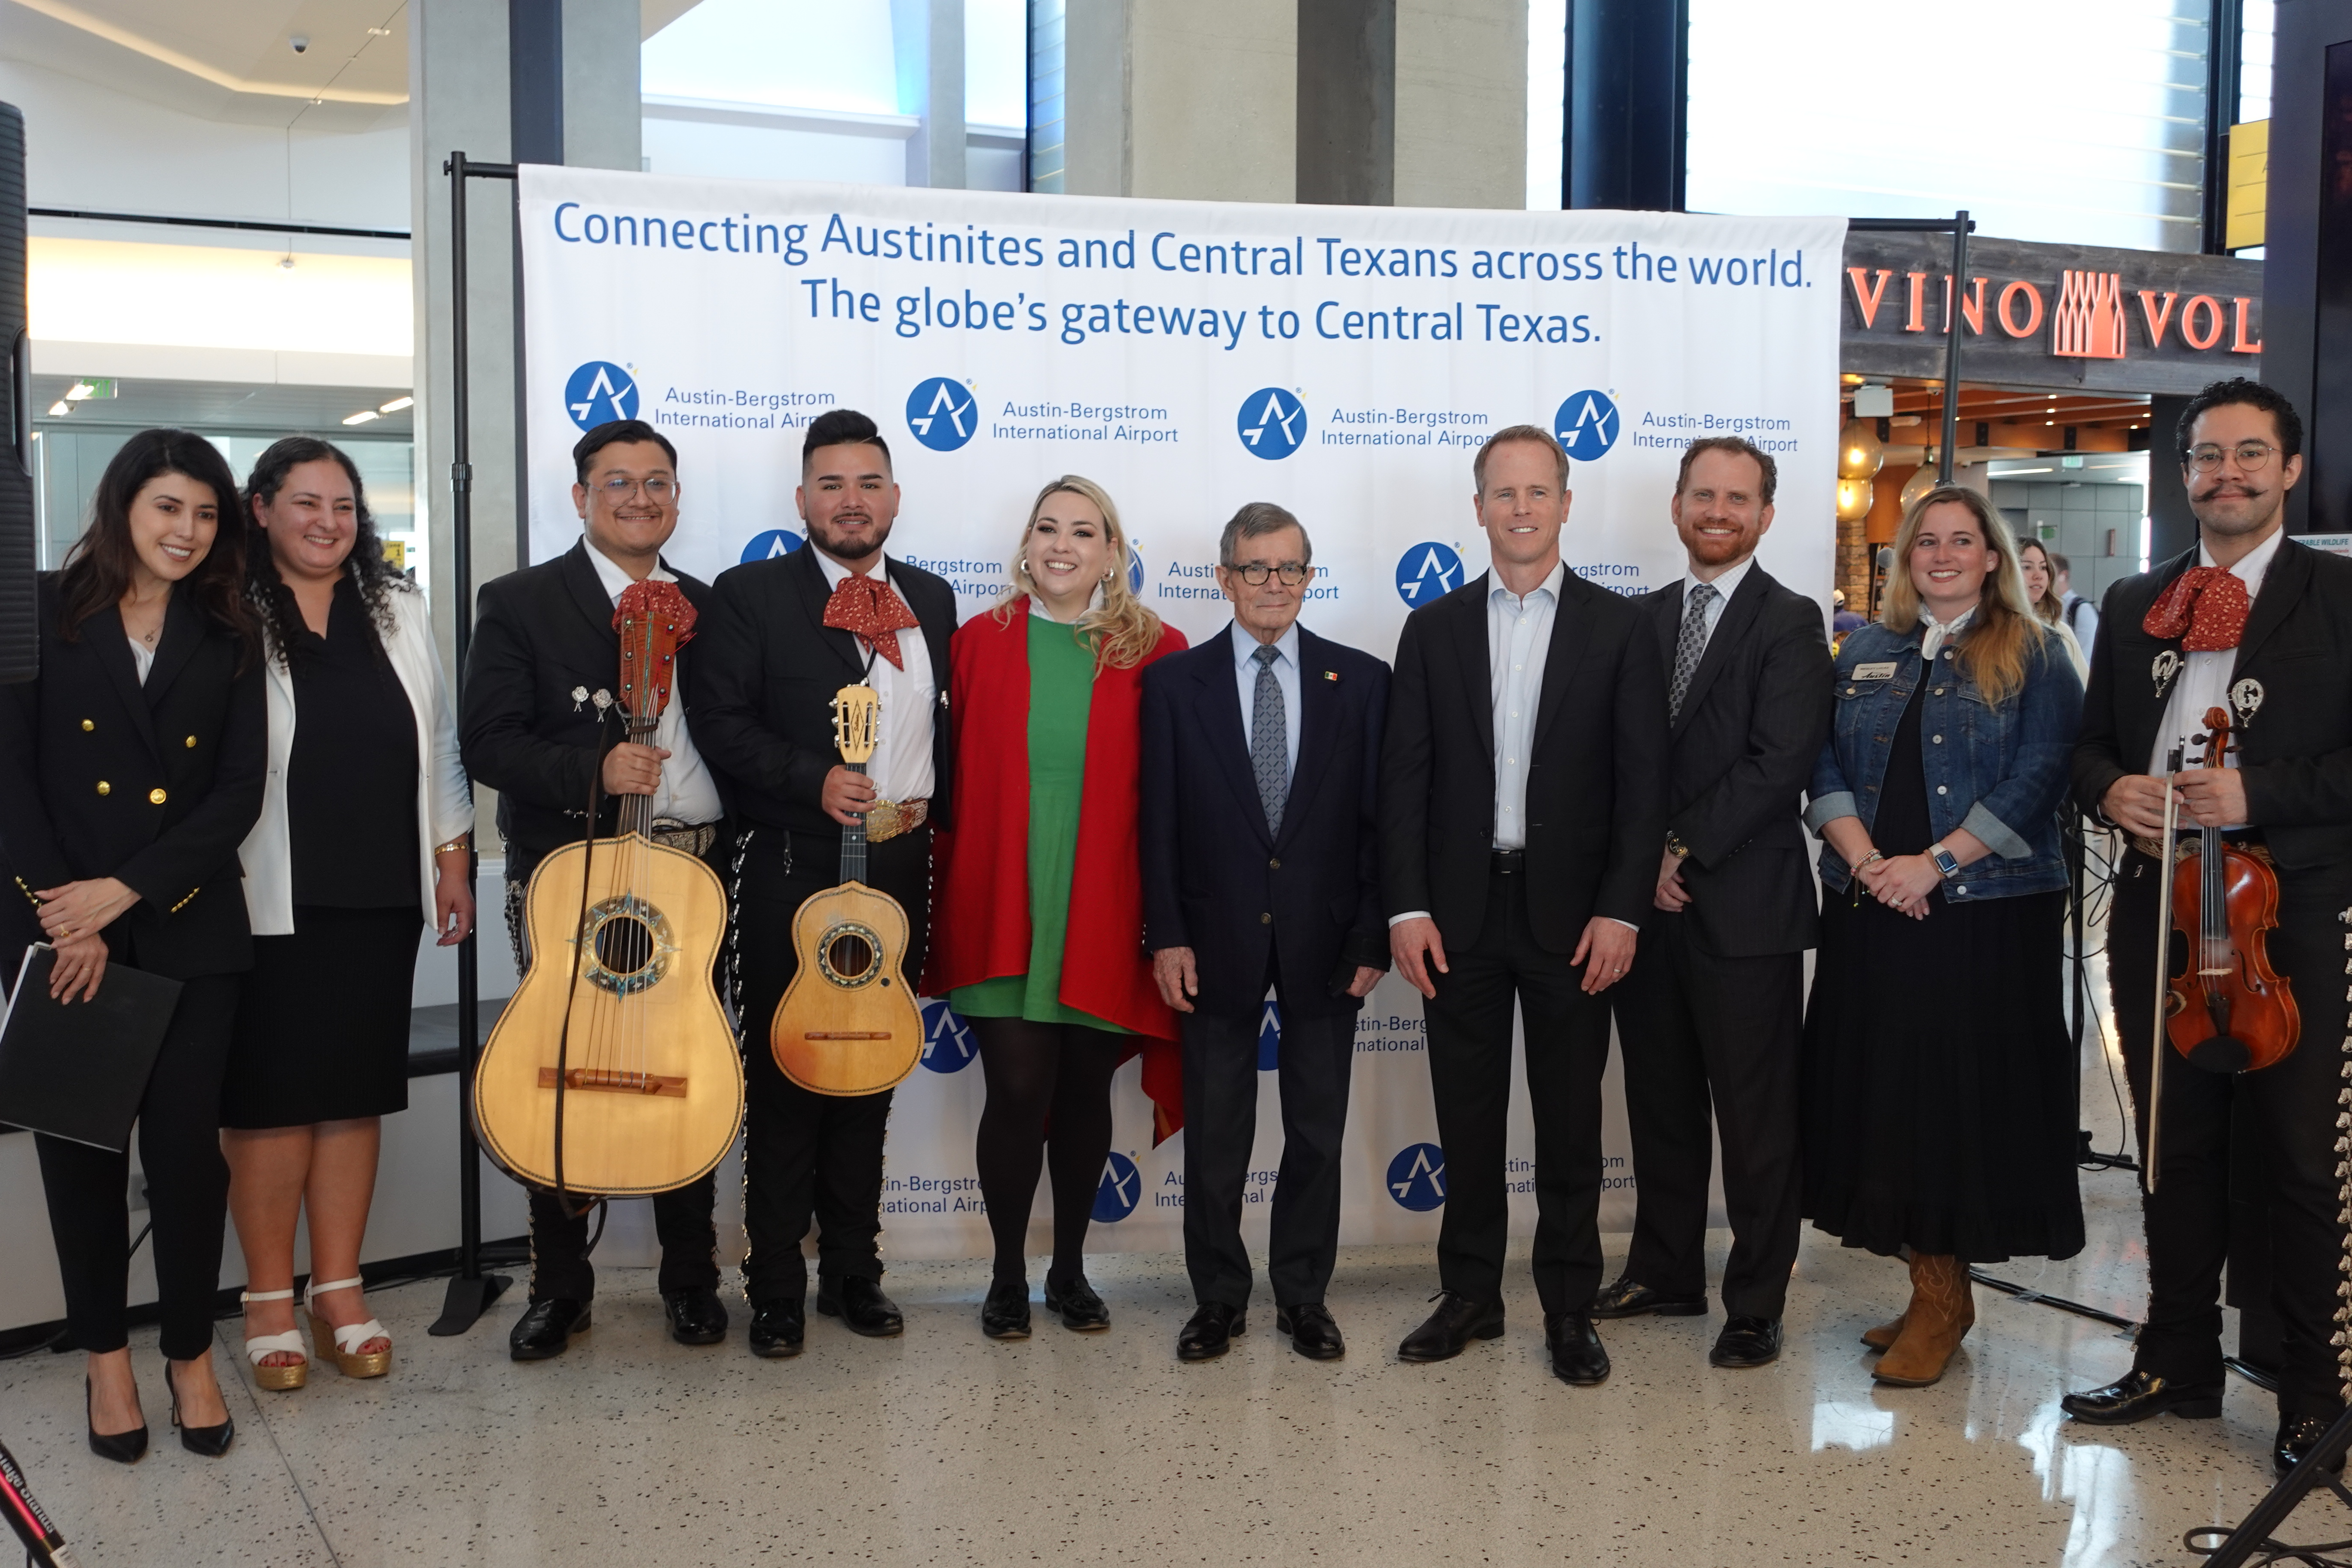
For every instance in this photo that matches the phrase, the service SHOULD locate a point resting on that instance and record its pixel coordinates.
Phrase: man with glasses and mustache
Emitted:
(2259, 625)
(542, 724)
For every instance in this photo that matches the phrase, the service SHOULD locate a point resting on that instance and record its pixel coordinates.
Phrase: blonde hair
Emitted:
(2000, 641)
(1122, 628)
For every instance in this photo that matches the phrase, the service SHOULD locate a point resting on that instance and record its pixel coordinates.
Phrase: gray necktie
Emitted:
(1269, 746)
(1690, 645)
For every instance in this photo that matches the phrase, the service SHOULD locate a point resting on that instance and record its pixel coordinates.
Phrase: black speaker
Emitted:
(19, 647)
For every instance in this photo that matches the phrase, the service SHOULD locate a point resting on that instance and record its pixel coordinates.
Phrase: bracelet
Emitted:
(1874, 854)
(463, 840)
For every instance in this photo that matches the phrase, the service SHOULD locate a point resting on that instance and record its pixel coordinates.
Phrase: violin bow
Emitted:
(2154, 1140)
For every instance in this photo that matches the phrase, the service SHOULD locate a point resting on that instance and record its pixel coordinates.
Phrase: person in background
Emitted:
(2036, 563)
(2081, 616)
(130, 771)
(1040, 886)
(1261, 872)
(1841, 619)
(1940, 1081)
(364, 837)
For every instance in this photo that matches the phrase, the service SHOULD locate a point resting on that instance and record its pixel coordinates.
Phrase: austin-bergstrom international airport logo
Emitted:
(942, 413)
(1121, 1188)
(1587, 425)
(1273, 422)
(1134, 570)
(1269, 1036)
(768, 544)
(599, 393)
(948, 1043)
(1417, 1177)
(1426, 571)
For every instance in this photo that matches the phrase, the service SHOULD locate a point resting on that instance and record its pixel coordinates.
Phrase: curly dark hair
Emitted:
(98, 570)
(2253, 394)
(273, 601)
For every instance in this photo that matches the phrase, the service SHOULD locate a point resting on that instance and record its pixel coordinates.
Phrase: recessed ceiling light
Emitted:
(60, 408)
(363, 416)
(395, 405)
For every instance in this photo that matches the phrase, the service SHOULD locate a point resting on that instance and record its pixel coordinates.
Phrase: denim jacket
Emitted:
(1999, 772)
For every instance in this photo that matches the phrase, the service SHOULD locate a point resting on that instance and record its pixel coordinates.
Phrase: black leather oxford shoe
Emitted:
(1578, 1356)
(777, 1329)
(1075, 1299)
(696, 1317)
(2139, 1395)
(1208, 1331)
(860, 1305)
(2297, 1437)
(1447, 1330)
(1005, 1314)
(1747, 1342)
(1312, 1332)
(546, 1328)
(1629, 1298)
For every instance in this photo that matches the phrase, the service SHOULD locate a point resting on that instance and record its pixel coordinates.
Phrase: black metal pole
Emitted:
(1952, 345)
(2254, 1532)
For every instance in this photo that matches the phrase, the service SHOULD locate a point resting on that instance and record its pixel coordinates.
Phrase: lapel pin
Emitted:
(602, 699)
(2165, 666)
(2245, 697)
(579, 695)
(1331, 674)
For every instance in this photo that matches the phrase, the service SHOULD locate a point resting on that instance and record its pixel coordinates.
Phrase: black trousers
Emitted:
(1694, 1026)
(1221, 1123)
(187, 1189)
(1470, 1079)
(2294, 1103)
(810, 1156)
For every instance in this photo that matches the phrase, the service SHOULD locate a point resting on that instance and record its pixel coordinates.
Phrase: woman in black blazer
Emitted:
(130, 771)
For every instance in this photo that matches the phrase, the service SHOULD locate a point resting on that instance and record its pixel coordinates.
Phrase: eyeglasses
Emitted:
(1255, 574)
(661, 492)
(2250, 455)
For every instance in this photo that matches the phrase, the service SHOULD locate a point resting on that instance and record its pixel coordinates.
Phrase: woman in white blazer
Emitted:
(364, 841)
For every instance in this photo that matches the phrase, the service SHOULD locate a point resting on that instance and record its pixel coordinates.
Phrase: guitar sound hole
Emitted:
(624, 944)
(850, 955)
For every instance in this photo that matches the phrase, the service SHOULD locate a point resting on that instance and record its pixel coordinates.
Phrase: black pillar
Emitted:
(535, 80)
(2224, 39)
(1346, 102)
(1628, 79)
(2171, 527)
(2307, 253)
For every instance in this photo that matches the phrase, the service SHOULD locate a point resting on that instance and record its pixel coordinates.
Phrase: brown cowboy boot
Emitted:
(1879, 1337)
(1942, 1307)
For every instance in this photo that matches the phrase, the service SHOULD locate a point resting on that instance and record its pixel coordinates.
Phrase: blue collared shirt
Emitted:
(1286, 676)
(1519, 640)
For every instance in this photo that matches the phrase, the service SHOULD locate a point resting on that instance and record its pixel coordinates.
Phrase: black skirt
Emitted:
(323, 1031)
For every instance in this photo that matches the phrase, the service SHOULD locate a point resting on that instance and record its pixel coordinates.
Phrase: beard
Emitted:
(1712, 550)
(854, 547)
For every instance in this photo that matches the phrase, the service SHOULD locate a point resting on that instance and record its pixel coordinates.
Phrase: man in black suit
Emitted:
(1716, 1005)
(1261, 768)
(783, 636)
(2173, 644)
(1522, 805)
(542, 727)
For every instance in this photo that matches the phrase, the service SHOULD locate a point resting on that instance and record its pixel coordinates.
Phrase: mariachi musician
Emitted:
(2260, 627)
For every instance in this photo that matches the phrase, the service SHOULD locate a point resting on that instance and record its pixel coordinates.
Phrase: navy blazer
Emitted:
(1216, 880)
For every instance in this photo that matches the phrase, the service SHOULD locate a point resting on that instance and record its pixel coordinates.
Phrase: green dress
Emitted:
(1061, 690)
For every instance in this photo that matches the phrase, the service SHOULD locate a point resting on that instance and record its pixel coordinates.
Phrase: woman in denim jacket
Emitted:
(1939, 1079)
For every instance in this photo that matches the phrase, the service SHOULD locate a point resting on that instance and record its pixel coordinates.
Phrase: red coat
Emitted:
(980, 870)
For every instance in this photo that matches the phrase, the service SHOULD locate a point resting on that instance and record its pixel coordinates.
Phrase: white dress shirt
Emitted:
(686, 792)
(143, 658)
(1519, 640)
(901, 765)
(2204, 679)
(1724, 586)
(1286, 676)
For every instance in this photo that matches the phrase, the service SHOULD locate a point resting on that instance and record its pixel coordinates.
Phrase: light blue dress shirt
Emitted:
(1286, 676)
(1519, 640)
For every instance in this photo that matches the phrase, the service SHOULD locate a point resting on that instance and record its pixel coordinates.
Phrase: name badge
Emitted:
(1875, 671)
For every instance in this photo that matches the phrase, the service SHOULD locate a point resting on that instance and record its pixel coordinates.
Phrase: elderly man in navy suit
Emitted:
(1261, 758)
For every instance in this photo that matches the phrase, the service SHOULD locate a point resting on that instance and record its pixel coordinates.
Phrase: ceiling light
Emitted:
(395, 405)
(78, 391)
(363, 416)
(59, 409)
(2012, 473)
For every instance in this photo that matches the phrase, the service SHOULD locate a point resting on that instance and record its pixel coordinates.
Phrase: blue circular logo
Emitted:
(1273, 422)
(1269, 1036)
(1426, 571)
(1122, 1189)
(1586, 425)
(1416, 1177)
(775, 541)
(948, 1043)
(599, 393)
(942, 413)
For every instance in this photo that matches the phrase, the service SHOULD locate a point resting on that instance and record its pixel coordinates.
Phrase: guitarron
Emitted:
(849, 1023)
(614, 1072)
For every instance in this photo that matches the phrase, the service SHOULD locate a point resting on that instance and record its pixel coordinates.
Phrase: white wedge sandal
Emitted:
(260, 1347)
(342, 1345)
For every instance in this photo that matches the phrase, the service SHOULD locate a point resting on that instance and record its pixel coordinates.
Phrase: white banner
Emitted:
(1190, 356)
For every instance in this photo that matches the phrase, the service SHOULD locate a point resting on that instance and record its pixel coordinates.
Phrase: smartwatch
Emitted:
(1945, 863)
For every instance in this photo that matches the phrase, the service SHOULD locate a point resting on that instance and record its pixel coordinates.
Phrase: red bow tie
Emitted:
(2209, 602)
(866, 605)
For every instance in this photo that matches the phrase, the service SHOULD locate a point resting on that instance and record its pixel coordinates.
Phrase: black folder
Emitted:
(79, 1069)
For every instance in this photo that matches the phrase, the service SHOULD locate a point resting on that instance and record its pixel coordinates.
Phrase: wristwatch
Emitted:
(1944, 860)
(1676, 848)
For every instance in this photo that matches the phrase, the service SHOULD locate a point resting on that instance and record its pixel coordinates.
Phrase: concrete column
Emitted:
(927, 39)
(1347, 101)
(1182, 98)
(603, 128)
(1461, 103)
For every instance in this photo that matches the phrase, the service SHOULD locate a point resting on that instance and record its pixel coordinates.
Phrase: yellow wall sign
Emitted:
(2250, 175)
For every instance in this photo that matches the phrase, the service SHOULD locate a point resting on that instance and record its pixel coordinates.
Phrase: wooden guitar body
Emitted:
(654, 1085)
(848, 1024)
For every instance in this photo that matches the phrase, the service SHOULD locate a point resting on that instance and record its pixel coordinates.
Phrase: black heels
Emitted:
(211, 1442)
(122, 1447)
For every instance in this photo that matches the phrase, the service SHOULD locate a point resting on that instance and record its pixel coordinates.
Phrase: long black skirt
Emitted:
(1940, 1084)
(323, 1030)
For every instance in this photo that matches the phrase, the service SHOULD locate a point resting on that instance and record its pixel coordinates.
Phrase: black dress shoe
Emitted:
(777, 1329)
(1312, 1332)
(1004, 1315)
(211, 1442)
(545, 1328)
(1578, 1356)
(2297, 1437)
(1747, 1342)
(2140, 1396)
(696, 1317)
(1075, 1299)
(1457, 1321)
(1208, 1331)
(1629, 1298)
(122, 1447)
(860, 1305)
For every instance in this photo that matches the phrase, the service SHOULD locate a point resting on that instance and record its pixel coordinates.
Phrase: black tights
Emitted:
(1041, 1075)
